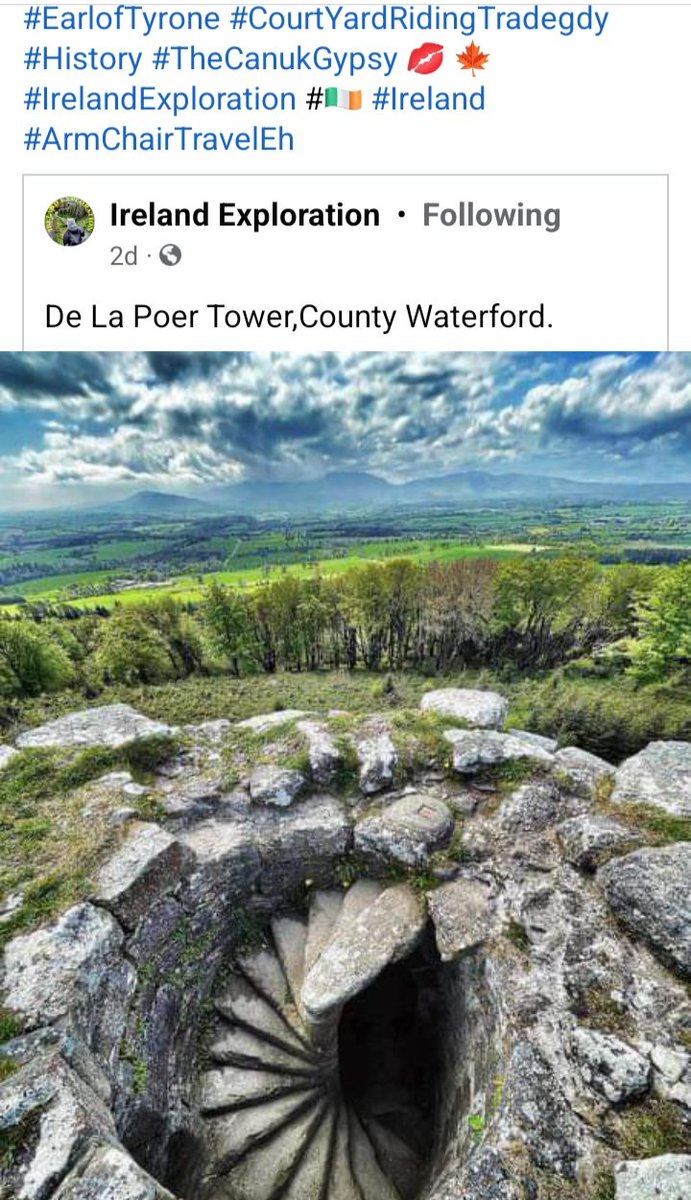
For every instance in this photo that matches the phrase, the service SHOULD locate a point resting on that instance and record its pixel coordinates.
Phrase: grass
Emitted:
(651, 1128)
(517, 935)
(54, 833)
(597, 1009)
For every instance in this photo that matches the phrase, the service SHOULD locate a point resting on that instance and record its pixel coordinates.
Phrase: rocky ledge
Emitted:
(294, 859)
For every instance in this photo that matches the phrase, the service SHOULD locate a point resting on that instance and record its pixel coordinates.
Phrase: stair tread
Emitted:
(265, 1171)
(231, 1135)
(359, 897)
(372, 1181)
(240, 1001)
(396, 1158)
(325, 909)
(342, 1185)
(235, 1087)
(363, 946)
(311, 1179)
(264, 970)
(290, 936)
(242, 1048)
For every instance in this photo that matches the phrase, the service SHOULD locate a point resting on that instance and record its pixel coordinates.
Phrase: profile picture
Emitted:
(69, 221)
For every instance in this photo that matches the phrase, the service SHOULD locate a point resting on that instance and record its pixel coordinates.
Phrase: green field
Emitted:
(187, 589)
(97, 559)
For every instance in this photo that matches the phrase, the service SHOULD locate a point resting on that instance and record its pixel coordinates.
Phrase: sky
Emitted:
(77, 427)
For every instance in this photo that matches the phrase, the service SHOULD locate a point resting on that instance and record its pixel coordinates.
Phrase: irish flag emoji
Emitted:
(340, 98)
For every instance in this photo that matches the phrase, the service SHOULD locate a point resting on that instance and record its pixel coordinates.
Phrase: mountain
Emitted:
(339, 489)
(162, 504)
(355, 489)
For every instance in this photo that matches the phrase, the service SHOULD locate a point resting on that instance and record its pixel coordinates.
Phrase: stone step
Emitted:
(290, 937)
(266, 1172)
(223, 1089)
(265, 973)
(342, 1185)
(325, 909)
(241, 1004)
(359, 897)
(396, 1109)
(371, 1180)
(232, 1045)
(232, 1135)
(381, 934)
(396, 1158)
(311, 1179)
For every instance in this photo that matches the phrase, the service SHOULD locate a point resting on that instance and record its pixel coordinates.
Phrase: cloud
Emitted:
(186, 420)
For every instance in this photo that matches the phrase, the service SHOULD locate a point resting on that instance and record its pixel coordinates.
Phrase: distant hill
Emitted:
(343, 490)
(162, 504)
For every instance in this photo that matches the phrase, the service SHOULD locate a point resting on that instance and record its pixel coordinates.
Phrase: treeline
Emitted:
(526, 615)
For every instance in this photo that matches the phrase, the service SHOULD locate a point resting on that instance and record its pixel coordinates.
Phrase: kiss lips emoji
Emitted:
(427, 58)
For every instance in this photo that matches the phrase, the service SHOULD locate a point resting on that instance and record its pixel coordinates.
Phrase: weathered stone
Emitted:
(486, 1179)
(7, 753)
(299, 843)
(62, 969)
(610, 1066)
(407, 831)
(267, 721)
(324, 755)
(538, 1114)
(667, 1177)
(481, 710)
(148, 865)
(383, 933)
(584, 772)
(670, 1063)
(378, 758)
(660, 775)
(108, 1173)
(649, 893)
(276, 785)
(474, 750)
(155, 927)
(112, 725)
(51, 1039)
(534, 807)
(228, 866)
(210, 731)
(55, 1116)
(590, 840)
(535, 739)
(461, 913)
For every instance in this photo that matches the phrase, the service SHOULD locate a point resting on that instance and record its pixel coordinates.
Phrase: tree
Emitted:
(541, 604)
(30, 663)
(224, 613)
(664, 626)
(130, 651)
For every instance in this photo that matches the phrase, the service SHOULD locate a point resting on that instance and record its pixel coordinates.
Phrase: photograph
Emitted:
(345, 774)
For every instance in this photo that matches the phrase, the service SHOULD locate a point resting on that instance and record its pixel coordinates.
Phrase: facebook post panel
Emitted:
(345, 600)
(333, 177)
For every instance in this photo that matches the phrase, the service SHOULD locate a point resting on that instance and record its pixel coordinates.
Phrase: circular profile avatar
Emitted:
(69, 221)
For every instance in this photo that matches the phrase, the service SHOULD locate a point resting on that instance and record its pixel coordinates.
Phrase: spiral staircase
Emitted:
(281, 1120)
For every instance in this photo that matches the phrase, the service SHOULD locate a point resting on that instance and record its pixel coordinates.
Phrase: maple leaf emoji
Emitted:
(472, 59)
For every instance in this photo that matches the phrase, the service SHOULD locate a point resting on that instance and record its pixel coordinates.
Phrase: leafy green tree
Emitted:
(542, 604)
(225, 617)
(131, 651)
(663, 644)
(179, 632)
(30, 662)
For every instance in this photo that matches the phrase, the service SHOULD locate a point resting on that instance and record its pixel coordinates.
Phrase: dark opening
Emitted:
(390, 1052)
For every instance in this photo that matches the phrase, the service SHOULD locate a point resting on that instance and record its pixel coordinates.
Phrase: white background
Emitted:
(401, 261)
(618, 104)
